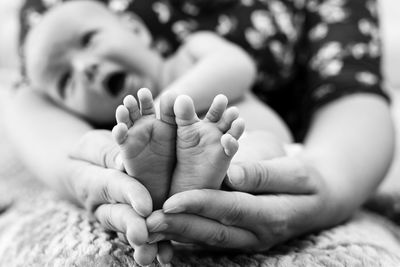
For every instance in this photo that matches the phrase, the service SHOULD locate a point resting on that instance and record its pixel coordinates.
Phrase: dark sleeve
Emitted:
(343, 51)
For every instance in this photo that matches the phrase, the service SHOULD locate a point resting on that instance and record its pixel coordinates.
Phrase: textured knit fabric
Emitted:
(308, 52)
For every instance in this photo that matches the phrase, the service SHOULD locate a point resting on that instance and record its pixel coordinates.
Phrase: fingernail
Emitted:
(138, 211)
(154, 238)
(235, 175)
(174, 209)
(159, 227)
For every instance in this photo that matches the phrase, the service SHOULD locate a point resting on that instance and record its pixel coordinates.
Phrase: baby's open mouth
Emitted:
(115, 82)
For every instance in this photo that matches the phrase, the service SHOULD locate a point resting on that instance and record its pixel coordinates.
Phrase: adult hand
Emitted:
(98, 147)
(253, 220)
(111, 194)
(119, 202)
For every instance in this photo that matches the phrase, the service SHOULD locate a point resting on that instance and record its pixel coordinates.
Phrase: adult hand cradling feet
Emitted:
(288, 196)
(203, 149)
(281, 196)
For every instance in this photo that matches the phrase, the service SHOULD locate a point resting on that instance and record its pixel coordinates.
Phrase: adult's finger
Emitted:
(229, 208)
(145, 254)
(198, 229)
(123, 219)
(95, 186)
(272, 218)
(99, 148)
(165, 252)
(280, 175)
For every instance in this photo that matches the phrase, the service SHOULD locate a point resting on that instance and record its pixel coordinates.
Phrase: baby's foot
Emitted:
(204, 148)
(147, 144)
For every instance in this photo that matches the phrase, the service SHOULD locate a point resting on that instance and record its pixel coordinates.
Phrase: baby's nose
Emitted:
(86, 67)
(90, 71)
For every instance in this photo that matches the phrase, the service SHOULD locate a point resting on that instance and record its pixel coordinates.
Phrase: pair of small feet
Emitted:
(178, 151)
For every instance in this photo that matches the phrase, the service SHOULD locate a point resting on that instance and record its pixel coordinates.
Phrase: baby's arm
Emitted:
(217, 67)
(43, 135)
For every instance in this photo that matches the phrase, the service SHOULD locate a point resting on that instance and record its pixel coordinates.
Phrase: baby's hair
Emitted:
(30, 14)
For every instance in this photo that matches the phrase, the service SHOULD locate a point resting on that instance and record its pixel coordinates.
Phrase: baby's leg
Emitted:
(205, 147)
(259, 145)
(266, 133)
(147, 143)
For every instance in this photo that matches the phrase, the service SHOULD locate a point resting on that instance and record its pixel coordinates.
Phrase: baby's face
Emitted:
(78, 56)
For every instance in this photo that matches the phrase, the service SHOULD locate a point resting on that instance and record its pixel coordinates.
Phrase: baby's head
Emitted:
(86, 59)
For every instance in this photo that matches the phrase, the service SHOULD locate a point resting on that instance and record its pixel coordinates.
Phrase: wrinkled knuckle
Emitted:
(213, 114)
(278, 227)
(220, 237)
(304, 177)
(261, 176)
(84, 198)
(105, 192)
(83, 191)
(233, 215)
(110, 155)
(106, 155)
(198, 201)
(104, 216)
(185, 228)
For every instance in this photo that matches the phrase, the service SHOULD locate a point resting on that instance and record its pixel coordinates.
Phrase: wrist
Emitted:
(335, 193)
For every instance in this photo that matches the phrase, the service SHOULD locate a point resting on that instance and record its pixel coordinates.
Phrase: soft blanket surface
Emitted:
(39, 229)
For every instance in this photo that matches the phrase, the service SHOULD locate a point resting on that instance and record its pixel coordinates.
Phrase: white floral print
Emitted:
(119, 5)
(163, 11)
(226, 24)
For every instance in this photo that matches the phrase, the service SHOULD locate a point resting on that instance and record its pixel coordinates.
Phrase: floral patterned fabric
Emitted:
(308, 52)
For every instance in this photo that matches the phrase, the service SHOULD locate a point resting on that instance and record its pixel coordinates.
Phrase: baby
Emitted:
(89, 64)
(86, 59)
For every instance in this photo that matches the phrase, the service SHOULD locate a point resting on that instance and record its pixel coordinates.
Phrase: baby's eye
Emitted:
(62, 84)
(87, 37)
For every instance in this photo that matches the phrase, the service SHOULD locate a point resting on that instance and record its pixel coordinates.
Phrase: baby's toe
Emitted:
(227, 119)
(146, 102)
(122, 116)
(131, 104)
(120, 133)
(229, 144)
(217, 108)
(184, 110)
(237, 128)
(167, 101)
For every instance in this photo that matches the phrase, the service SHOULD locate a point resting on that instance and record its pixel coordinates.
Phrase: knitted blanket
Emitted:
(39, 229)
